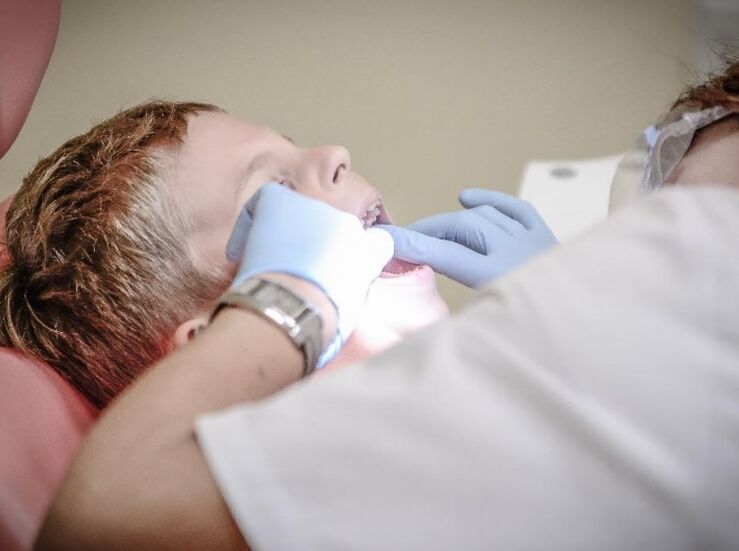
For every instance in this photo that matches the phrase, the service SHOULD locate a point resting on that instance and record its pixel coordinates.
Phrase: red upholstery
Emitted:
(42, 422)
(42, 418)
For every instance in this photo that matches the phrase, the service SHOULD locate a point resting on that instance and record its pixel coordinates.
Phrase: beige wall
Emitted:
(428, 96)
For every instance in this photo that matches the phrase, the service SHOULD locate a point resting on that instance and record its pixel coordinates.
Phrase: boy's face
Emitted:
(225, 160)
(713, 157)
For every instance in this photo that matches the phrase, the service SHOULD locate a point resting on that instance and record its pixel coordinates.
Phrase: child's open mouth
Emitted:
(397, 267)
(376, 214)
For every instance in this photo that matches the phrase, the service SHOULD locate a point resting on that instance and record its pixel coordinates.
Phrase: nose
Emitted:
(324, 167)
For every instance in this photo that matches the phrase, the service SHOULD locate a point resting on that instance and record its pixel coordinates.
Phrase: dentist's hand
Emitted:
(495, 233)
(281, 231)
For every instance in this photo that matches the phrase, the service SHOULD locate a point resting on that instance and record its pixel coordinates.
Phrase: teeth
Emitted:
(370, 216)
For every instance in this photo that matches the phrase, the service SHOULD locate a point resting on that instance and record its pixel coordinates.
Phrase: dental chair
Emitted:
(42, 422)
(42, 417)
(571, 196)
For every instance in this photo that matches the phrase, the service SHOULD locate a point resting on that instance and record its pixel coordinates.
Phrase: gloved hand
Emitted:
(282, 231)
(495, 234)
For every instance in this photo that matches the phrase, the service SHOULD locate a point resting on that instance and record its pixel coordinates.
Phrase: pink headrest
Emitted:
(42, 422)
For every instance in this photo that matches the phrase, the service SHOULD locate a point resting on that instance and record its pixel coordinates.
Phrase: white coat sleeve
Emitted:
(589, 400)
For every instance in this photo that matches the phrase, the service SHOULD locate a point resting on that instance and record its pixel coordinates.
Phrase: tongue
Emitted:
(398, 267)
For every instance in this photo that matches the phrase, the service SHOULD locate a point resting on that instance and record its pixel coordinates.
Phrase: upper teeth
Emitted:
(370, 216)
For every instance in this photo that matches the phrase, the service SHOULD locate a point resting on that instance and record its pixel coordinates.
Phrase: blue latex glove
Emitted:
(282, 231)
(495, 233)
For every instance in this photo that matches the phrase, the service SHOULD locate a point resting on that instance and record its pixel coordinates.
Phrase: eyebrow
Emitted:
(258, 162)
(255, 164)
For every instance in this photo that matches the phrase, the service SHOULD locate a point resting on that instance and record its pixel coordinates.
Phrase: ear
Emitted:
(188, 330)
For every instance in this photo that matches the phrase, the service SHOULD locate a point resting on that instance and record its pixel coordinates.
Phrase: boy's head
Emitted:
(116, 241)
(100, 271)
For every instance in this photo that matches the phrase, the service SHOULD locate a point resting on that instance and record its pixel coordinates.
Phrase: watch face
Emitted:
(285, 301)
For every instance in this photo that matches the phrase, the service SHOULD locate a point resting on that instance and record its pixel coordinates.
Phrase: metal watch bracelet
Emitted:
(297, 318)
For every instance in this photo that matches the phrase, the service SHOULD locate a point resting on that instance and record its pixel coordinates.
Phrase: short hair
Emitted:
(100, 270)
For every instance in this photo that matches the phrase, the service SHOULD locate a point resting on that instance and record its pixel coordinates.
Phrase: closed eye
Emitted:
(255, 164)
(287, 183)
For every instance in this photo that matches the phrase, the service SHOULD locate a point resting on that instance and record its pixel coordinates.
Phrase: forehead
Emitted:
(211, 129)
(725, 128)
(218, 147)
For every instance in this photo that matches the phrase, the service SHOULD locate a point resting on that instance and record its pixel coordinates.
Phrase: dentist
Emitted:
(569, 406)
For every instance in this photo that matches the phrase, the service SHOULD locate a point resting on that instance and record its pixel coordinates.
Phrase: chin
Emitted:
(402, 301)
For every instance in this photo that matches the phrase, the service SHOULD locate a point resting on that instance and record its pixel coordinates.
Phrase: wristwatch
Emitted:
(298, 319)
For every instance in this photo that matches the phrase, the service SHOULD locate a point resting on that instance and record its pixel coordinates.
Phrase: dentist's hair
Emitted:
(720, 89)
(99, 271)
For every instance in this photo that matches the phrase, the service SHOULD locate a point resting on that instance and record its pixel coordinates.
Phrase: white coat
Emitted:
(590, 400)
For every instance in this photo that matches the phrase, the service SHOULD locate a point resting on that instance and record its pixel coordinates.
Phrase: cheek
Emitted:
(208, 244)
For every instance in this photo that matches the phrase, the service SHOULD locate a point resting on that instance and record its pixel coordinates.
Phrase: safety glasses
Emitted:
(658, 151)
